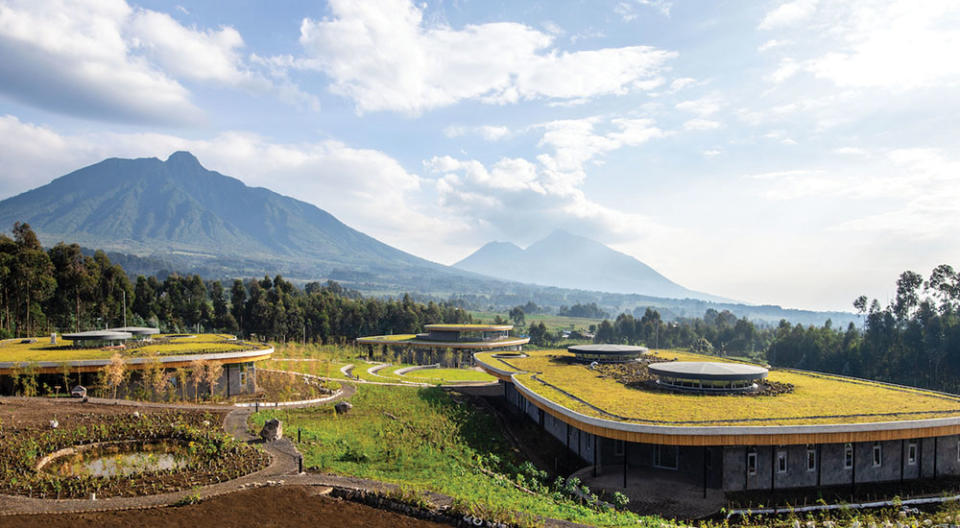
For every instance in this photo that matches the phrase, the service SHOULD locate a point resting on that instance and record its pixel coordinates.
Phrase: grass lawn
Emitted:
(425, 439)
(443, 375)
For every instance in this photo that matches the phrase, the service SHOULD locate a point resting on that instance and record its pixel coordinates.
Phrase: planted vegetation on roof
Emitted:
(816, 398)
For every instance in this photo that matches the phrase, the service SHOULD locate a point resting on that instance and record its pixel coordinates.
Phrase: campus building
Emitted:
(461, 340)
(80, 357)
(727, 426)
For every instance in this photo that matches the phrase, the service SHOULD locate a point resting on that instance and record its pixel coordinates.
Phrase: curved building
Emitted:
(606, 353)
(466, 337)
(805, 430)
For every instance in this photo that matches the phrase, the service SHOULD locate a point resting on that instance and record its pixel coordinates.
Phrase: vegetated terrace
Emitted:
(816, 398)
(161, 345)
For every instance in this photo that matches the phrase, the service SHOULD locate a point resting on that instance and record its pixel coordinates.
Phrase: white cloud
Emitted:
(204, 55)
(681, 83)
(487, 132)
(705, 106)
(711, 153)
(889, 44)
(383, 56)
(788, 14)
(110, 61)
(701, 124)
(516, 197)
(75, 58)
(771, 44)
(787, 68)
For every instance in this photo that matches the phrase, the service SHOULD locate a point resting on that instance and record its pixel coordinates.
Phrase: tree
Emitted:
(212, 372)
(115, 372)
(517, 315)
(32, 272)
(197, 374)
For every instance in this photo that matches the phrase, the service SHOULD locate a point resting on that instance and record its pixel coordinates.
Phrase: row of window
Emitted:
(781, 463)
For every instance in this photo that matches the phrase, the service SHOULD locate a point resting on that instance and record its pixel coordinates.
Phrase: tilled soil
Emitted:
(281, 507)
(17, 413)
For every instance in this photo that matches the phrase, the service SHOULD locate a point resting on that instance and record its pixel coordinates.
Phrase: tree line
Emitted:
(61, 289)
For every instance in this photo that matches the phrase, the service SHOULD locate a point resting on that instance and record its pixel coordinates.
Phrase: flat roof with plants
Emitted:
(554, 381)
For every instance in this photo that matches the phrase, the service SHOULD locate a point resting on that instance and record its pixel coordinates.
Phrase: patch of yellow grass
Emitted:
(816, 398)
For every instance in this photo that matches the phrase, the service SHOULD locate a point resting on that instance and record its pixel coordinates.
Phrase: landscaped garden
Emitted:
(112, 453)
(426, 439)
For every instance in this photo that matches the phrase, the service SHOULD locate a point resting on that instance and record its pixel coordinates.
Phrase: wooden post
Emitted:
(773, 468)
(853, 473)
(819, 463)
(920, 457)
(746, 468)
(935, 438)
(704, 471)
(596, 458)
(626, 450)
(901, 460)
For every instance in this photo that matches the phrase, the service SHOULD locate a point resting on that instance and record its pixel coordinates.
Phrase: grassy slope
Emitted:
(421, 437)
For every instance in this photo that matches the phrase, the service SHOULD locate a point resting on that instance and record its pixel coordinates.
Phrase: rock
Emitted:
(206, 423)
(272, 430)
(54, 424)
(342, 407)
(136, 414)
(79, 392)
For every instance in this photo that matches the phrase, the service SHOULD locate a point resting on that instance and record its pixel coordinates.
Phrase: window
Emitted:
(752, 463)
(781, 461)
(847, 456)
(811, 459)
(618, 447)
(877, 455)
(912, 453)
(666, 457)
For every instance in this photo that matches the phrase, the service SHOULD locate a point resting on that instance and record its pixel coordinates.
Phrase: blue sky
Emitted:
(798, 152)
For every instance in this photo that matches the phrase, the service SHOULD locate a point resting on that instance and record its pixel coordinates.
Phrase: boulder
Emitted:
(79, 392)
(272, 430)
(342, 407)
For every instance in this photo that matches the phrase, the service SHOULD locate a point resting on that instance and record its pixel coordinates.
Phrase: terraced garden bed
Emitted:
(208, 455)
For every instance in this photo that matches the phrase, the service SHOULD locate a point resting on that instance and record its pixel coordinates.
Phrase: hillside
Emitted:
(565, 260)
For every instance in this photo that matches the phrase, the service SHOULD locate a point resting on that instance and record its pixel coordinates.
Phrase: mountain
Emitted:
(565, 260)
(179, 210)
(157, 217)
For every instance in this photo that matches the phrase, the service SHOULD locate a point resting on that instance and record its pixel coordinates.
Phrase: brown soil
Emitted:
(285, 506)
(17, 413)
(278, 387)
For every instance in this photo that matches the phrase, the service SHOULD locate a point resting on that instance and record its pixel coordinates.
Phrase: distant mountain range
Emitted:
(569, 261)
(156, 217)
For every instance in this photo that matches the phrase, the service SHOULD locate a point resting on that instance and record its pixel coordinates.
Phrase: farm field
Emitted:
(426, 439)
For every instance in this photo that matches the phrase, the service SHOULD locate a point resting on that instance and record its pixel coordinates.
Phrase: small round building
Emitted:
(606, 353)
(461, 339)
(707, 376)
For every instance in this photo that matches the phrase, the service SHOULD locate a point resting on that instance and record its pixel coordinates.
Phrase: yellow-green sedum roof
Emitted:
(816, 398)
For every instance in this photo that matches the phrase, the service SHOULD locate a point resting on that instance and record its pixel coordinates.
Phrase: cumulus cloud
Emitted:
(889, 44)
(788, 14)
(701, 124)
(516, 197)
(107, 60)
(487, 132)
(705, 106)
(384, 56)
